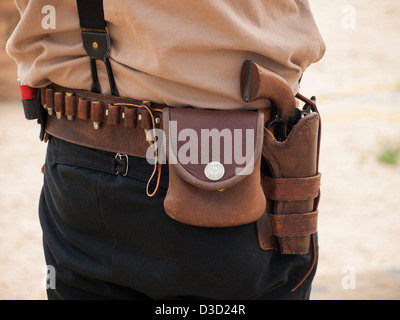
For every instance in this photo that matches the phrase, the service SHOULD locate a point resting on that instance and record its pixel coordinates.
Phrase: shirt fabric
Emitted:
(181, 52)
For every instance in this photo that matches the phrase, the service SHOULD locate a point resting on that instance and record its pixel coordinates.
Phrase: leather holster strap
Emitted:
(292, 189)
(100, 121)
(294, 225)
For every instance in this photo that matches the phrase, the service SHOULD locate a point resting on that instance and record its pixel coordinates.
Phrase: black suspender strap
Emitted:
(96, 40)
(91, 14)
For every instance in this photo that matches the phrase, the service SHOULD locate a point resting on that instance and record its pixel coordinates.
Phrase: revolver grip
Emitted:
(258, 83)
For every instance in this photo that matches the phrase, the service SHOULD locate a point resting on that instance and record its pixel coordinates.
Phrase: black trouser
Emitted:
(107, 240)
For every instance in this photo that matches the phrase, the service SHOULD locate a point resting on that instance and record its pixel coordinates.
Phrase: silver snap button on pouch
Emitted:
(214, 171)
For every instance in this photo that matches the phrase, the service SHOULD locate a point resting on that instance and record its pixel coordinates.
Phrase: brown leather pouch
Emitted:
(214, 160)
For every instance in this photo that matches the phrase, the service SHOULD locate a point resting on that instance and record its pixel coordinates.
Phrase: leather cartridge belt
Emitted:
(99, 121)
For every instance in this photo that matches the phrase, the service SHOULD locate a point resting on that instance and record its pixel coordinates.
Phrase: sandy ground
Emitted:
(358, 89)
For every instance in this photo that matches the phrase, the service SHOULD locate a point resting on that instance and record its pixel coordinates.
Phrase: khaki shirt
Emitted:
(180, 52)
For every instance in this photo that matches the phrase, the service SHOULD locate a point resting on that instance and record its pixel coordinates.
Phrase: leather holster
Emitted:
(291, 184)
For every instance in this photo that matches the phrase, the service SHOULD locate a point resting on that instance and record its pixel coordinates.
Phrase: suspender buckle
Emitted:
(96, 42)
(97, 45)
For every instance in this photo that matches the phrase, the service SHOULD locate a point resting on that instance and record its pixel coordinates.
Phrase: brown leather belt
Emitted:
(99, 121)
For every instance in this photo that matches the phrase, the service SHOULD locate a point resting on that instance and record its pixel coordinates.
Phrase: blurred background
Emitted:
(357, 85)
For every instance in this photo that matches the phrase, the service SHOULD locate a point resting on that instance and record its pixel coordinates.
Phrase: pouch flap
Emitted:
(213, 149)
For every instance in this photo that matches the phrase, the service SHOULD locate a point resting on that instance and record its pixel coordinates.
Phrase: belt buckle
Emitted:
(120, 157)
